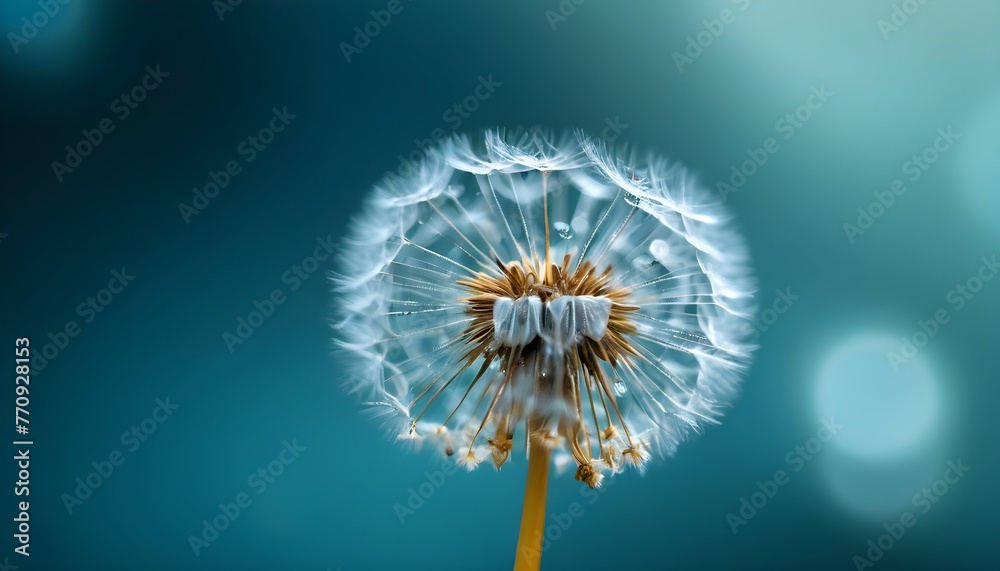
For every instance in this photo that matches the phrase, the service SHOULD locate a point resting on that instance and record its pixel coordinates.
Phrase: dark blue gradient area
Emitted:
(177, 175)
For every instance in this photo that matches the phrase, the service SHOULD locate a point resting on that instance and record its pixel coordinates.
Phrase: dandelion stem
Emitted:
(529, 541)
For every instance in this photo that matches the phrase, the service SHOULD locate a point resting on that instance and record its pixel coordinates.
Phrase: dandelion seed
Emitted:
(471, 315)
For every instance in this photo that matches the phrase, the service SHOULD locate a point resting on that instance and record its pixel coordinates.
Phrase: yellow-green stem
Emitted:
(529, 540)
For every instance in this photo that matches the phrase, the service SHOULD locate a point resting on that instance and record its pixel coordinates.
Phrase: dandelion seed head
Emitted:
(542, 289)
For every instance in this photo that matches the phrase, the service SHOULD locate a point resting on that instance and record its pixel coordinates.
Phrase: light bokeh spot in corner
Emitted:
(877, 490)
(54, 40)
(885, 412)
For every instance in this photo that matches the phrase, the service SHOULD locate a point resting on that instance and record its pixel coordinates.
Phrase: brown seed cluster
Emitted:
(581, 371)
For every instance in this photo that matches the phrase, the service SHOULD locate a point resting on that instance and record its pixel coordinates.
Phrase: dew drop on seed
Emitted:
(660, 250)
(564, 230)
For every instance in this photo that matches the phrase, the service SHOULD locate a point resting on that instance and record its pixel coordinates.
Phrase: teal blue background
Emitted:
(333, 506)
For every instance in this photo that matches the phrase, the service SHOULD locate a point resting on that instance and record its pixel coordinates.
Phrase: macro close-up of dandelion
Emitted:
(543, 293)
(453, 286)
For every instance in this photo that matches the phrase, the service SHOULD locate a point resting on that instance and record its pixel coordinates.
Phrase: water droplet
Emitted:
(564, 230)
(632, 199)
(660, 250)
(620, 388)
